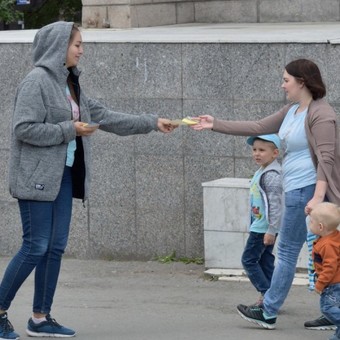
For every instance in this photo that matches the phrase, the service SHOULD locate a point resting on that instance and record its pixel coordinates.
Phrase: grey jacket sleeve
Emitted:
(122, 124)
(271, 183)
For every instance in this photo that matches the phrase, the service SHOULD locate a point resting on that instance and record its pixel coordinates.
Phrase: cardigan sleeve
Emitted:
(267, 125)
(322, 126)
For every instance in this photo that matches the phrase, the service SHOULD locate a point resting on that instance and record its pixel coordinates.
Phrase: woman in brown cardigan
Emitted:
(311, 173)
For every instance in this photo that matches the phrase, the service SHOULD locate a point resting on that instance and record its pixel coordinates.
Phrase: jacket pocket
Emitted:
(58, 114)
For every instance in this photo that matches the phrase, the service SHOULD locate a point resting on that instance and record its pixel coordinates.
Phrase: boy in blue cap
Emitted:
(265, 203)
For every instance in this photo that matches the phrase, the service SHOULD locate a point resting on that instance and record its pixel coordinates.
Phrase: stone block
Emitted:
(94, 16)
(79, 245)
(298, 10)
(254, 110)
(198, 169)
(315, 52)
(10, 227)
(226, 11)
(207, 71)
(257, 70)
(154, 143)
(303, 258)
(120, 16)
(133, 70)
(226, 223)
(328, 61)
(10, 81)
(185, 12)
(245, 167)
(157, 143)
(223, 249)
(159, 203)
(101, 2)
(227, 80)
(226, 203)
(144, 13)
(109, 3)
(112, 222)
(4, 160)
(153, 15)
(205, 142)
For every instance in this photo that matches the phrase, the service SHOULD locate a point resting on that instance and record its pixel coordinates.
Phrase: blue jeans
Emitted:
(258, 262)
(330, 305)
(292, 235)
(45, 234)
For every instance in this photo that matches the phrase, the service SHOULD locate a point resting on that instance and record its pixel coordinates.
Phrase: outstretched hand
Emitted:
(164, 125)
(205, 122)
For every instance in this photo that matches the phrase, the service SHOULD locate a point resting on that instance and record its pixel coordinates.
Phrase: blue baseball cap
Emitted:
(269, 138)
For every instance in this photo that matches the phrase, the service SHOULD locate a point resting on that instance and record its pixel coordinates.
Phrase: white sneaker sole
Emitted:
(48, 335)
(322, 328)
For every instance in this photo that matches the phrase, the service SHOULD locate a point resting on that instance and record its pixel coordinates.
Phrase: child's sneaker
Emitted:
(48, 328)
(6, 329)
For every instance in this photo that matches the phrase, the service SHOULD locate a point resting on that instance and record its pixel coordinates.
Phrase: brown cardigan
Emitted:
(322, 133)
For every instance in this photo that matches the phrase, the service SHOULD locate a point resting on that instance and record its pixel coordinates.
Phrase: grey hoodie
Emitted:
(42, 123)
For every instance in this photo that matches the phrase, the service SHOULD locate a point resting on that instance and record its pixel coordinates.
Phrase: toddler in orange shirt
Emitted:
(324, 221)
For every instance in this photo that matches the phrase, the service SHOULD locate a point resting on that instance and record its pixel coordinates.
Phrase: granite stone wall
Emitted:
(144, 13)
(146, 197)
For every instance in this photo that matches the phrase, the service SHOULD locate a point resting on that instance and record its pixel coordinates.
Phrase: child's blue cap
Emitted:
(269, 138)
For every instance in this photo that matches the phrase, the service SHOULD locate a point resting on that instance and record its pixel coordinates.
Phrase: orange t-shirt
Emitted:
(326, 257)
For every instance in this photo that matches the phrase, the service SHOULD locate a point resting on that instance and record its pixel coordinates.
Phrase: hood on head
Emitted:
(50, 45)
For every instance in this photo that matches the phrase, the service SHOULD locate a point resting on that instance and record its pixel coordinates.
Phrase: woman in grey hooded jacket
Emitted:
(50, 164)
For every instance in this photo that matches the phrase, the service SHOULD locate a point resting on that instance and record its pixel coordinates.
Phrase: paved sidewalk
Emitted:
(154, 301)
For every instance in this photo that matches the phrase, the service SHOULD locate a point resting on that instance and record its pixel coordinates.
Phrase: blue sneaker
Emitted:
(6, 329)
(48, 328)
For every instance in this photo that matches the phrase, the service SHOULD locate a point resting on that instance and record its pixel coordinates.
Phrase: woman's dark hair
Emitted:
(308, 73)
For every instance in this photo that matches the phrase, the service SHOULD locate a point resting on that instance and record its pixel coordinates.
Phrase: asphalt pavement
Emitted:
(111, 300)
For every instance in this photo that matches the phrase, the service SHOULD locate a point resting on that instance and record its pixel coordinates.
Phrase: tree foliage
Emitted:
(8, 12)
(49, 11)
